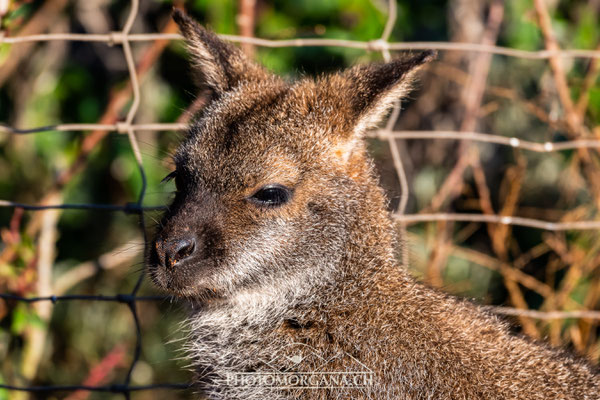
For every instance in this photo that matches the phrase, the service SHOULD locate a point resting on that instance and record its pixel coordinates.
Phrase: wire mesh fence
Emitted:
(579, 140)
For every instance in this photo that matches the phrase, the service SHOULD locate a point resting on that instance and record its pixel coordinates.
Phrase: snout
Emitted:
(172, 253)
(186, 254)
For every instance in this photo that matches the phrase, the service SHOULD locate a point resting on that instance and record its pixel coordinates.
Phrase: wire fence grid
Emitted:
(124, 38)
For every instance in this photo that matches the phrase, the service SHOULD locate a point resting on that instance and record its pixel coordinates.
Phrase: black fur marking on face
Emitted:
(262, 104)
(213, 239)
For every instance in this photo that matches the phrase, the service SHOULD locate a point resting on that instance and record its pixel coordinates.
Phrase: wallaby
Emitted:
(280, 239)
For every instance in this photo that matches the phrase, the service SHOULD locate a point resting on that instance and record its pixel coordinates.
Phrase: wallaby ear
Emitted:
(372, 89)
(221, 65)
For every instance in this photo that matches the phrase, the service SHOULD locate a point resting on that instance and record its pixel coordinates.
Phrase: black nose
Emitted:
(177, 250)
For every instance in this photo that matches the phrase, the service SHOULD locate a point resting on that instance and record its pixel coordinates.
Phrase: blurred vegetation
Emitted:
(74, 82)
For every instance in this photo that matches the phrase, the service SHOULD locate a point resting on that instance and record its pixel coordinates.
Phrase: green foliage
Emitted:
(522, 31)
(23, 317)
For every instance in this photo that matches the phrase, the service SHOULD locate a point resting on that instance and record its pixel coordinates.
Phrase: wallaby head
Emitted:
(272, 175)
(280, 228)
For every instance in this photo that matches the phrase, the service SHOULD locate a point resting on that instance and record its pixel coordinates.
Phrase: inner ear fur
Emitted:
(377, 86)
(360, 96)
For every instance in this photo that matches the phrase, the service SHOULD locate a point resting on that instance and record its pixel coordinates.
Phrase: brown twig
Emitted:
(11, 236)
(120, 256)
(559, 74)
(588, 83)
(439, 254)
(246, 20)
(472, 95)
(514, 180)
(36, 334)
(43, 18)
(587, 326)
(100, 372)
(574, 117)
(494, 264)
(459, 76)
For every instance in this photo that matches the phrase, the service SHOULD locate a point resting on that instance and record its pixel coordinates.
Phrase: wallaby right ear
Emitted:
(360, 96)
(221, 65)
(375, 87)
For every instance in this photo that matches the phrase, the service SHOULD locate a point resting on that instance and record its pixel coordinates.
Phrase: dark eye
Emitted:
(272, 195)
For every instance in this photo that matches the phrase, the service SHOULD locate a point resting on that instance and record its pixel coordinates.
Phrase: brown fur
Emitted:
(317, 274)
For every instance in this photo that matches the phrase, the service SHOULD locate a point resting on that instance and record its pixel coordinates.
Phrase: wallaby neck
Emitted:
(373, 242)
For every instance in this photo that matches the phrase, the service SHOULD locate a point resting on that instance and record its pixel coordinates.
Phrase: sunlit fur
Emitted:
(317, 276)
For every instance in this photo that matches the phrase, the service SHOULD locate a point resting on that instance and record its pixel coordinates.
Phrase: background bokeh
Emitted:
(96, 252)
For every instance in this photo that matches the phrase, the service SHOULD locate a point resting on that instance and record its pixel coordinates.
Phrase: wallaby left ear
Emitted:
(373, 88)
(221, 66)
